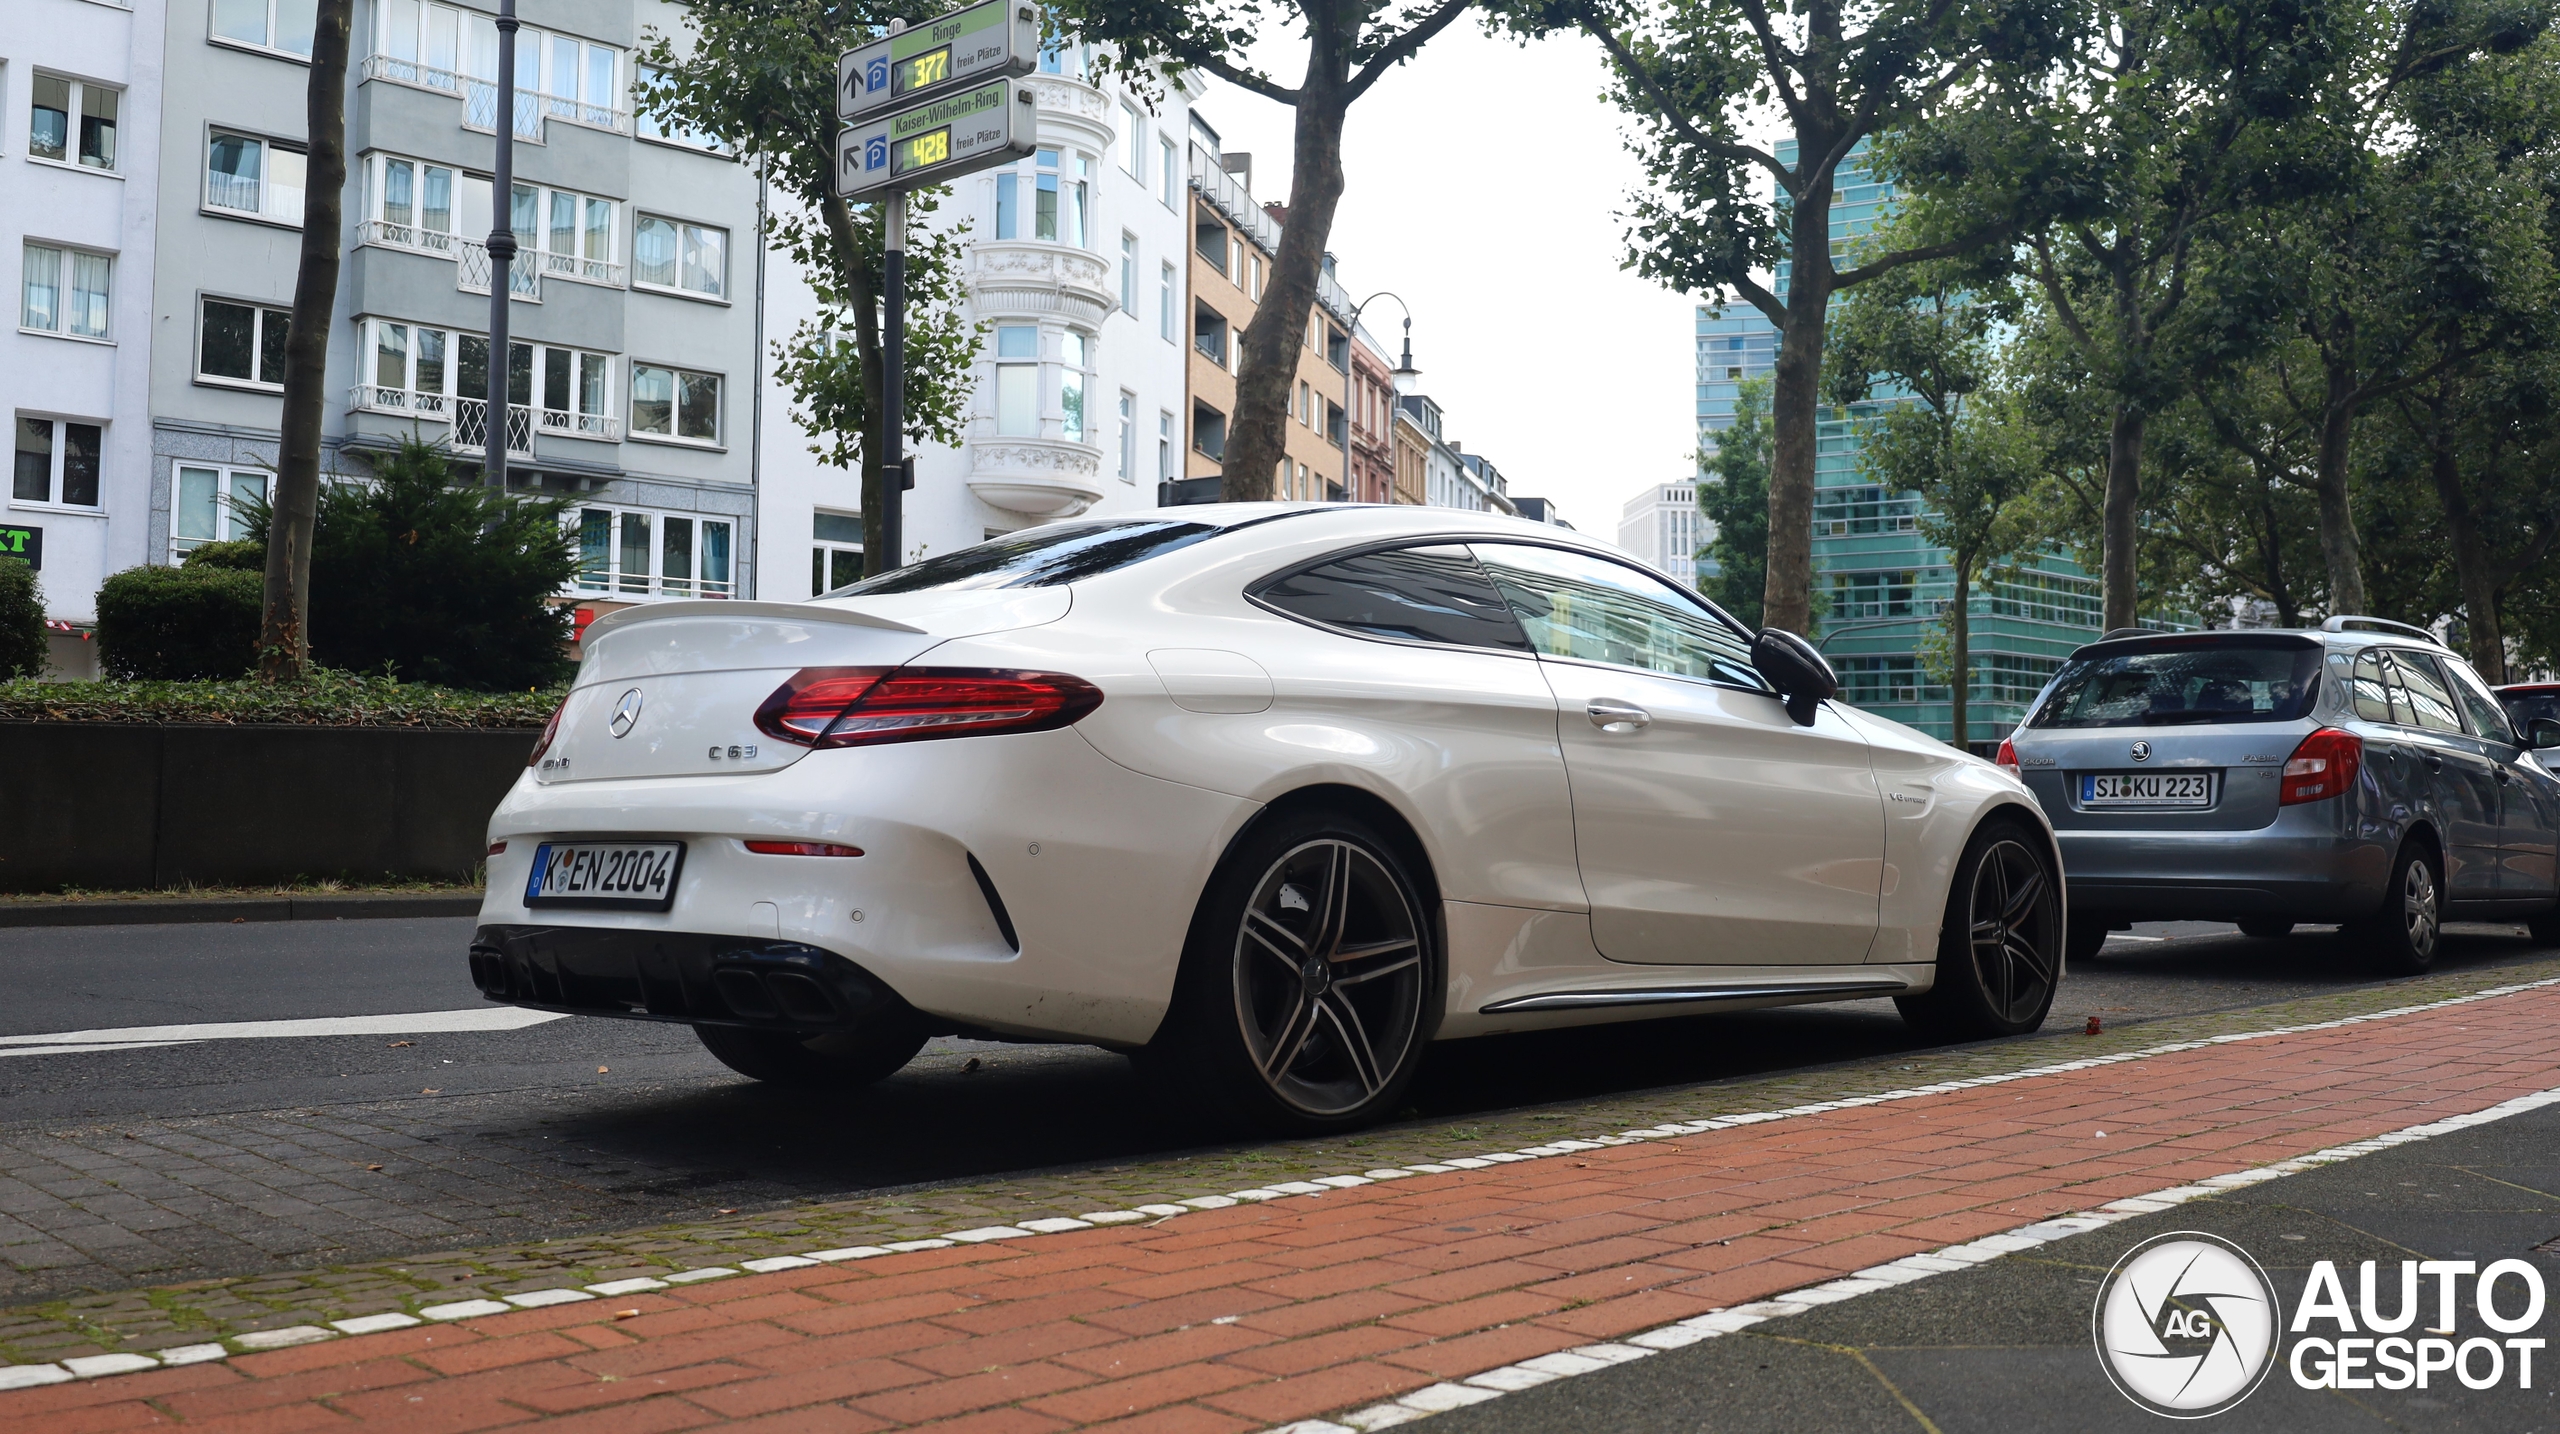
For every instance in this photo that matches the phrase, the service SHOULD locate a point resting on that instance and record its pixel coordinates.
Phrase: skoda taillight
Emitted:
(865, 707)
(550, 730)
(2324, 766)
(2008, 758)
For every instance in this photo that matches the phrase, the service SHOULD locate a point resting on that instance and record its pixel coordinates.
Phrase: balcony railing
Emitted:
(480, 99)
(580, 112)
(469, 417)
(471, 271)
(410, 72)
(471, 427)
(480, 110)
(374, 398)
(385, 234)
(585, 271)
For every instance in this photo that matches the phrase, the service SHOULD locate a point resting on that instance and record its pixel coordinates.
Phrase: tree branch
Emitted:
(1964, 244)
(1775, 55)
(1401, 48)
(1224, 69)
(2051, 278)
(1690, 134)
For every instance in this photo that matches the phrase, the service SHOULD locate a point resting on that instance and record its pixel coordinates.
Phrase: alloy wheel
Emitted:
(2418, 913)
(1328, 976)
(2011, 929)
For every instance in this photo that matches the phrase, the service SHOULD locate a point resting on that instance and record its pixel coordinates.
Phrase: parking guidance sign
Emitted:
(936, 141)
(995, 40)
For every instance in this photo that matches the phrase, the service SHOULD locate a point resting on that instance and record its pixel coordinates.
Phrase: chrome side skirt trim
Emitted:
(1683, 995)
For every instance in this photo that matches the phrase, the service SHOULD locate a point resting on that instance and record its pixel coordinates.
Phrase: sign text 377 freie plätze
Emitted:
(993, 40)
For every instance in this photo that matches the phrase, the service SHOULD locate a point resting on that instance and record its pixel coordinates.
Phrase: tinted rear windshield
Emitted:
(2225, 682)
(1042, 557)
(2523, 707)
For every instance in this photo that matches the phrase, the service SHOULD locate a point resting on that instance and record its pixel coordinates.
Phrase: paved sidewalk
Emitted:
(1256, 1315)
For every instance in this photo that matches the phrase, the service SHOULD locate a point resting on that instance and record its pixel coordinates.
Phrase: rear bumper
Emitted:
(2223, 876)
(692, 977)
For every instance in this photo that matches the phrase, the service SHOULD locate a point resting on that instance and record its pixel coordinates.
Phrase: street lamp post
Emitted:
(1351, 371)
(502, 253)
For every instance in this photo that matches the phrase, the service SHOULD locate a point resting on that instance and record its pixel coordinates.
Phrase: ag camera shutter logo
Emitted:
(2186, 1324)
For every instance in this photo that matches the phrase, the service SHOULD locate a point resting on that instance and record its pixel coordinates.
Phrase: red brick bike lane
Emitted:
(1256, 1315)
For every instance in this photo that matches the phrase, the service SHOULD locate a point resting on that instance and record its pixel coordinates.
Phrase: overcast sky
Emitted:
(1483, 184)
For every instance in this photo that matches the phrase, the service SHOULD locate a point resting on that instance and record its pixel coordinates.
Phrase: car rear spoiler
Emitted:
(747, 610)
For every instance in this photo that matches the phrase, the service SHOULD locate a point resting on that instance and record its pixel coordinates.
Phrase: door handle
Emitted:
(2434, 762)
(2504, 776)
(1611, 715)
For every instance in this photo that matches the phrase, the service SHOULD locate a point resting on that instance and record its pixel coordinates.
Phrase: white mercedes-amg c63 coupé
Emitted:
(1269, 796)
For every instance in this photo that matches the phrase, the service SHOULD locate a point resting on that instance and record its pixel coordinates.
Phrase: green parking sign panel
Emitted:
(23, 543)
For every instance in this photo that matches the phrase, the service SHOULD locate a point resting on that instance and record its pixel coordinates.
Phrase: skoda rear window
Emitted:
(2184, 683)
(1044, 557)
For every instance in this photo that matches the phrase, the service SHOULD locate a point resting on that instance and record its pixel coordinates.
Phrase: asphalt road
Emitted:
(576, 1124)
(2007, 1346)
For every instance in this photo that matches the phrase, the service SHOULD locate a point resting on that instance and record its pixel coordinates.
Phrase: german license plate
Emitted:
(631, 875)
(2146, 789)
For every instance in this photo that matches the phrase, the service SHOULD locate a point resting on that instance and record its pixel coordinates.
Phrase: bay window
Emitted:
(1059, 193)
(244, 174)
(632, 552)
(410, 203)
(1073, 349)
(1018, 380)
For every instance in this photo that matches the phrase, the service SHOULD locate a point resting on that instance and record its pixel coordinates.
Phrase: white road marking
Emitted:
(420, 1023)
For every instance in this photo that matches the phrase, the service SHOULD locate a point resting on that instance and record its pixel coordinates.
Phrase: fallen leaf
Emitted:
(431, 1090)
(974, 1064)
(373, 1167)
(395, 1045)
(729, 1212)
(600, 1070)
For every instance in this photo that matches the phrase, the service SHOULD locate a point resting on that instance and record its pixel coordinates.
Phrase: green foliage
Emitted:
(22, 641)
(325, 698)
(237, 554)
(1733, 494)
(179, 624)
(426, 573)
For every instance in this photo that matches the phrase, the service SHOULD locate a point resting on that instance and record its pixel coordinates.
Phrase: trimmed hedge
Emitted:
(176, 624)
(325, 699)
(22, 644)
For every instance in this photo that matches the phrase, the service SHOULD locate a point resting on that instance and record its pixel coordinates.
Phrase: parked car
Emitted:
(2528, 703)
(1271, 796)
(2361, 774)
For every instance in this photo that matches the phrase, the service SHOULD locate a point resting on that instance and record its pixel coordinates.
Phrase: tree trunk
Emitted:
(2338, 547)
(284, 637)
(2120, 521)
(1795, 404)
(1960, 650)
(1257, 432)
(2271, 555)
(2471, 561)
(876, 558)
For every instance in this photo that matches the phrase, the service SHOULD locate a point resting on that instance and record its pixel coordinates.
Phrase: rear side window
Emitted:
(1051, 555)
(2429, 703)
(1431, 594)
(1575, 605)
(2184, 683)
(2372, 696)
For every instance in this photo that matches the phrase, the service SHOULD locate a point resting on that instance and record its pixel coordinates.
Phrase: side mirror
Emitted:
(2543, 733)
(1800, 672)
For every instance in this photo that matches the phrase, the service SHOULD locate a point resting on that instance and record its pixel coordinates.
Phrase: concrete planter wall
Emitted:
(111, 805)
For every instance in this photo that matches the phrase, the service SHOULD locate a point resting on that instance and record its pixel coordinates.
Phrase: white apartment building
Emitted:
(1663, 526)
(79, 201)
(1075, 260)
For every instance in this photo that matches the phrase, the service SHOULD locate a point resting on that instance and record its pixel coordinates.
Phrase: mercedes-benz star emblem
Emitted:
(2186, 1324)
(626, 713)
(2141, 750)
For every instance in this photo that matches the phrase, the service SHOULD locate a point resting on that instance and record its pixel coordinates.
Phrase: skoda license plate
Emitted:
(630, 875)
(2146, 789)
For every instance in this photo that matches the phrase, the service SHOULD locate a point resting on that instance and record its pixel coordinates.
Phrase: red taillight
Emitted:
(802, 848)
(2008, 758)
(550, 730)
(2324, 766)
(828, 707)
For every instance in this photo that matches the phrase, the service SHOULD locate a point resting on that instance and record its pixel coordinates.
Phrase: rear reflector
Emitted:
(802, 848)
(496, 847)
(2324, 766)
(827, 707)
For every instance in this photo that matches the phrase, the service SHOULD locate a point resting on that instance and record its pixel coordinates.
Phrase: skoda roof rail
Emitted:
(2351, 622)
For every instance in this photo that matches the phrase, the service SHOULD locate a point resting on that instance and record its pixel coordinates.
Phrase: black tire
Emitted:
(2266, 928)
(2085, 939)
(2401, 937)
(2000, 947)
(827, 1060)
(1310, 983)
(2545, 926)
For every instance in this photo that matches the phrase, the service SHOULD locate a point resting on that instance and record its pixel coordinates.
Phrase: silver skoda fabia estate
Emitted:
(2361, 774)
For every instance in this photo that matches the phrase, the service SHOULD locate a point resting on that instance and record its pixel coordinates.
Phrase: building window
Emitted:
(412, 368)
(73, 120)
(646, 80)
(1208, 431)
(1129, 146)
(1076, 349)
(409, 203)
(835, 557)
(269, 24)
(66, 291)
(1164, 446)
(208, 502)
(242, 343)
(1017, 380)
(675, 403)
(632, 553)
(57, 462)
(1129, 273)
(1209, 239)
(1061, 181)
(1128, 436)
(576, 238)
(1336, 425)
(1337, 349)
(1169, 177)
(1165, 302)
(670, 254)
(247, 175)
